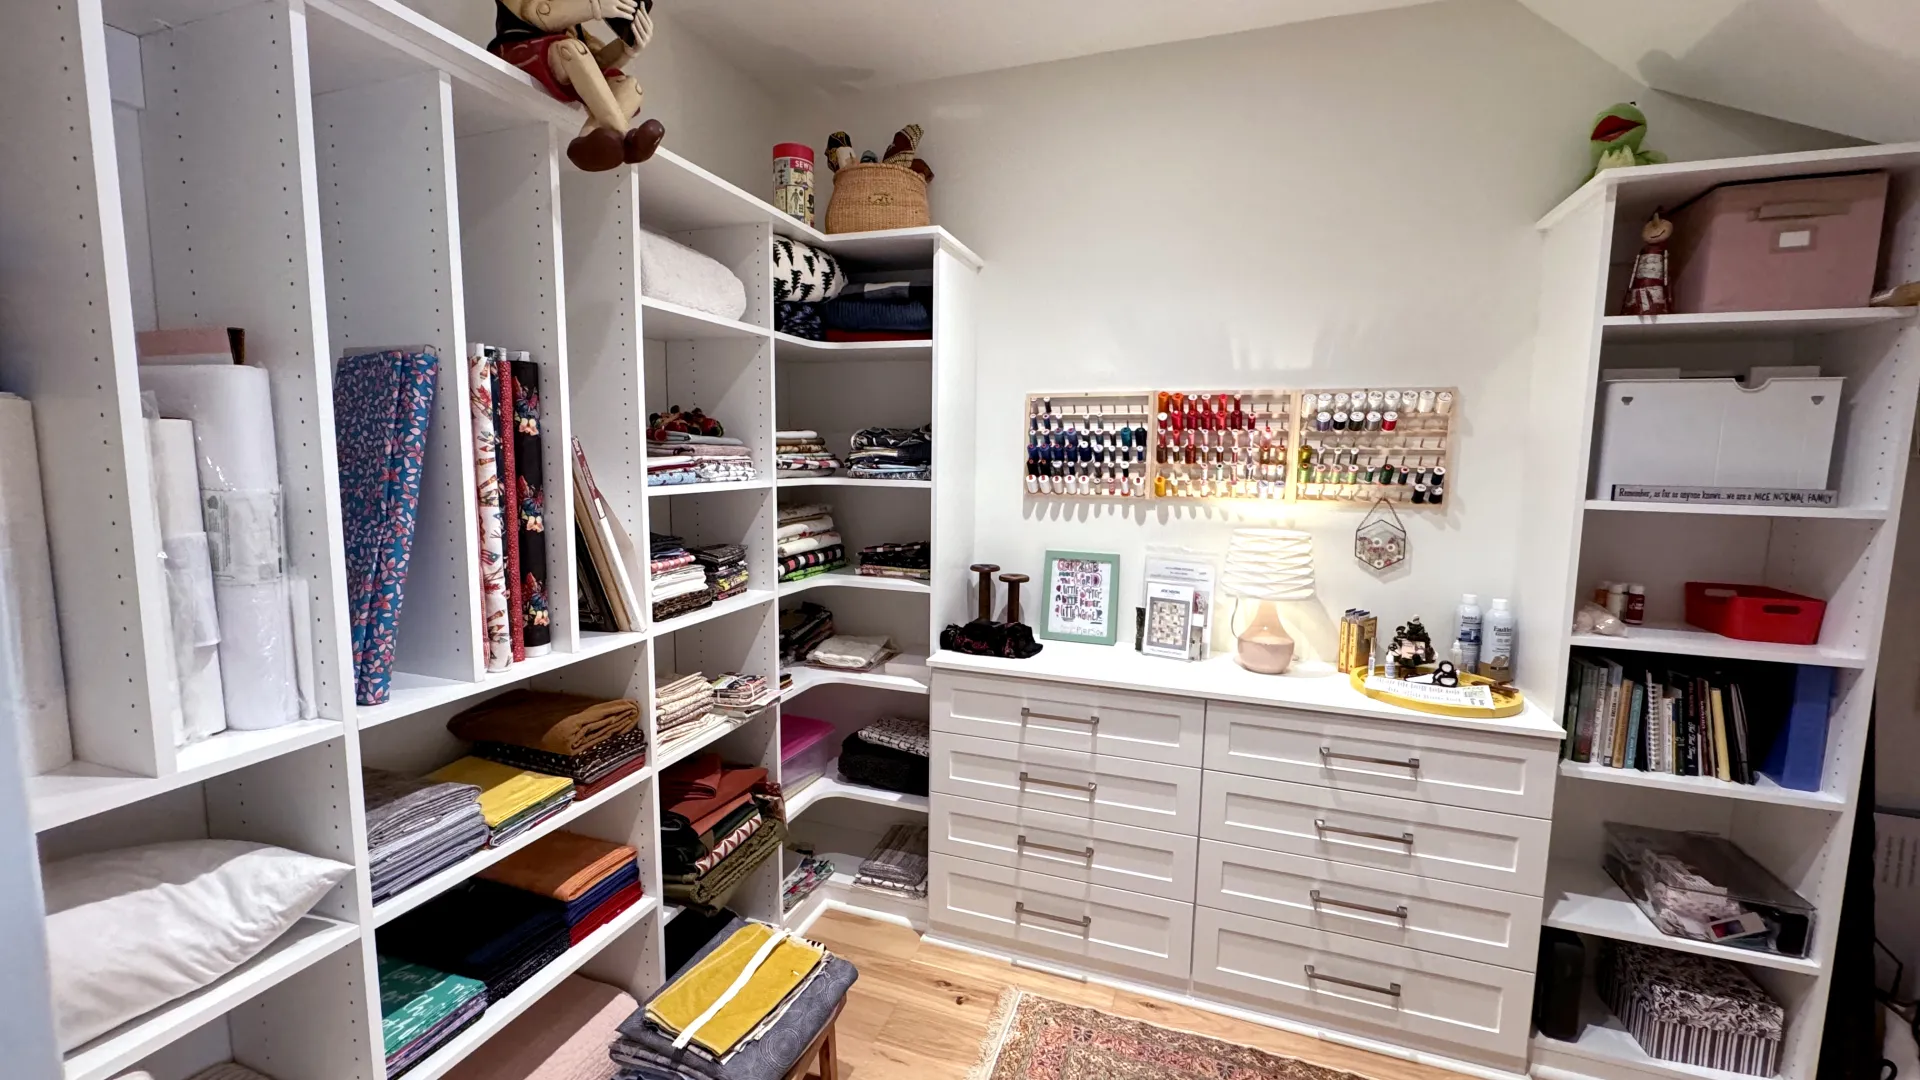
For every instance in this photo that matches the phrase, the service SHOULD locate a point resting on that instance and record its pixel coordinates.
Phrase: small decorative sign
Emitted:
(1724, 496)
(1083, 593)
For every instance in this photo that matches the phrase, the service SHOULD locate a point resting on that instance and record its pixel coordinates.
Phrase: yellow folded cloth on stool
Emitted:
(504, 790)
(692, 994)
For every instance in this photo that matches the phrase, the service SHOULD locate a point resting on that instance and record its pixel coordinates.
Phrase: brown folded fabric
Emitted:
(697, 777)
(562, 865)
(557, 723)
(705, 825)
(733, 784)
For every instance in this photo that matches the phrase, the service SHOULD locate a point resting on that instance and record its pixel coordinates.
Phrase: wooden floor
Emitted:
(919, 1011)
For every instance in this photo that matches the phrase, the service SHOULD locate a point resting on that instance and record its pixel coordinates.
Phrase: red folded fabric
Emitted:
(878, 335)
(639, 762)
(733, 783)
(695, 778)
(603, 914)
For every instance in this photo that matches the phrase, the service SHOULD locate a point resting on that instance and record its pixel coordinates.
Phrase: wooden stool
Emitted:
(823, 1048)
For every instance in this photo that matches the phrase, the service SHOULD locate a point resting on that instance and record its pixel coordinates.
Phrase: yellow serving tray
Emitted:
(1507, 702)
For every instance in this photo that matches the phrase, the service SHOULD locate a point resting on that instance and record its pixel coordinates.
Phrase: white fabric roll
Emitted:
(165, 681)
(35, 690)
(232, 412)
(195, 625)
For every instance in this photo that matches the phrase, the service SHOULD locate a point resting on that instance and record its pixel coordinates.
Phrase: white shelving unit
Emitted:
(1571, 539)
(385, 180)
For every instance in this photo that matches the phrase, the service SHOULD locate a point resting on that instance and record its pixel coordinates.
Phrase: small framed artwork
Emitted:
(1083, 598)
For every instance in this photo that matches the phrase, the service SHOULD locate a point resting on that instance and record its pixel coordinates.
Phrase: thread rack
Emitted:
(1097, 445)
(1387, 450)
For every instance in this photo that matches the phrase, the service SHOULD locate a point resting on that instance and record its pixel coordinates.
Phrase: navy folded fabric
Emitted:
(481, 930)
(602, 891)
(848, 314)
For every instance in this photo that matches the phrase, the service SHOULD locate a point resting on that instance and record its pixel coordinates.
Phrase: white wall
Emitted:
(1348, 202)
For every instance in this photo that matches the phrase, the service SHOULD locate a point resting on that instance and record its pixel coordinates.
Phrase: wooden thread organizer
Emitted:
(1402, 466)
(1222, 444)
(1089, 445)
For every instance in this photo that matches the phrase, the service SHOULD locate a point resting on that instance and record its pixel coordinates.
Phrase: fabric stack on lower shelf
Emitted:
(912, 561)
(739, 694)
(807, 542)
(890, 754)
(421, 1008)
(898, 865)
(803, 453)
(892, 454)
(679, 582)
(589, 880)
(718, 823)
(513, 800)
(790, 989)
(481, 930)
(880, 311)
(692, 448)
(847, 652)
(802, 629)
(417, 828)
(563, 1036)
(809, 873)
(590, 741)
(682, 707)
(725, 566)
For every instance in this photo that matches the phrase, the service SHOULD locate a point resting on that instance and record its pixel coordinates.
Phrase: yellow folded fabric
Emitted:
(695, 992)
(504, 790)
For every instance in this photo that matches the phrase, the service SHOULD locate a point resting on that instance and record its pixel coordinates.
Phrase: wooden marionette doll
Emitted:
(548, 40)
(1651, 290)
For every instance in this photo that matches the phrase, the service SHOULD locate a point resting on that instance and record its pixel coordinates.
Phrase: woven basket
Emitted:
(877, 196)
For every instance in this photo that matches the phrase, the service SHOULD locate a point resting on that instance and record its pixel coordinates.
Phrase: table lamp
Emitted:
(1267, 566)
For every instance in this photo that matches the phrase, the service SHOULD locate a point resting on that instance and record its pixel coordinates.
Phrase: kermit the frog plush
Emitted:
(1616, 138)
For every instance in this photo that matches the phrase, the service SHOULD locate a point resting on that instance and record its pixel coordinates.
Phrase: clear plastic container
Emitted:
(1703, 887)
(806, 746)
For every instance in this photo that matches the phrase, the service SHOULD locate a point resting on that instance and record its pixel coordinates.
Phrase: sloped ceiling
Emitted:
(1851, 66)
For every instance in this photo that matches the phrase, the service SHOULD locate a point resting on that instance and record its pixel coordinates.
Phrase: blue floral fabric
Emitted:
(382, 404)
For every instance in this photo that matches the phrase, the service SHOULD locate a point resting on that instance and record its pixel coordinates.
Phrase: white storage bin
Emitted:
(1717, 433)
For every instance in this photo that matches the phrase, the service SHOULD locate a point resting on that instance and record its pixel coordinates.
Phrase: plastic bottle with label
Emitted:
(1469, 635)
(1497, 656)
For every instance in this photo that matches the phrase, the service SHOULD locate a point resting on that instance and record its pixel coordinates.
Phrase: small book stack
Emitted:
(1660, 715)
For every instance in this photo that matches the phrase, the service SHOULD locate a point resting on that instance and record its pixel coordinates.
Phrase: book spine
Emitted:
(1636, 718)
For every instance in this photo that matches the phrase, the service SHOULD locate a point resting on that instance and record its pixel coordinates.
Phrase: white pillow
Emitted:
(674, 272)
(130, 930)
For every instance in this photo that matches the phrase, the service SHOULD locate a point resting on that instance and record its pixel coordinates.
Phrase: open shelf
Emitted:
(1687, 641)
(850, 578)
(414, 693)
(306, 943)
(718, 609)
(906, 673)
(848, 481)
(503, 1012)
(804, 350)
(1583, 899)
(682, 751)
(839, 891)
(830, 786)
(1763, 790)
(655, 491)
(1840, 513)
(663, 321)
(1745, 324)
(1604, 1040)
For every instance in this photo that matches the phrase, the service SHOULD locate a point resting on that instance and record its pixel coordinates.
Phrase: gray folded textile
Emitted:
(399, 867)
(399, 805)
(642, 1052)
(899, 859)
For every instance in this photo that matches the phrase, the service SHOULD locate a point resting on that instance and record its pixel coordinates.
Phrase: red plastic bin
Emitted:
(1755, 613)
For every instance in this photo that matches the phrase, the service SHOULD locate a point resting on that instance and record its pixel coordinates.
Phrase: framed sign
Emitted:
(1082, 598)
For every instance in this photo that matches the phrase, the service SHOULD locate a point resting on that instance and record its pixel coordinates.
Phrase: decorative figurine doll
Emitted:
(548, 40)
(1651, 291)
(1411, 648)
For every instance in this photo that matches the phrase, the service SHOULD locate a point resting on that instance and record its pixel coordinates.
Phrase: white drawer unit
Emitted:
(1147, 727)
(1468, 1010)
(1507, 774)
(1424, 913)
(1100, 787)
(1473, 847)
(1077, 923)
(1073, 848)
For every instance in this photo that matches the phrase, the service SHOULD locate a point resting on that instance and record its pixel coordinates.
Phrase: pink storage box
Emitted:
(1782, 245)
(806, 747)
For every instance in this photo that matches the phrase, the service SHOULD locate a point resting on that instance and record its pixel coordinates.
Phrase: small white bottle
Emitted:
(1501, 631)
(1469, 635)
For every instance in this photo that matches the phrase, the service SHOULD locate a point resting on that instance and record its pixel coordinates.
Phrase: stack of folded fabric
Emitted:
(802, 629)
(892, 454)
(803, 453)
(845, 652)
(481, 930)
(417, 828)
(799, 319)
(810, 873)
(590, 880)
(564, 1036)
(880, 311)
(740, 694)
(666, 470)
(682, 586)
(726, 568)
(718, 822)
(890, 754)
(590, 741)
(512, 800)
(421, 1008)
(681, 704)
(809, 546)
(912, 561)
(715, 458)
(784, 1000)
(898, 864)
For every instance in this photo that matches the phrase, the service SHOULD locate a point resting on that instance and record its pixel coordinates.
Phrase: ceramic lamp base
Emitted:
(1263, 645)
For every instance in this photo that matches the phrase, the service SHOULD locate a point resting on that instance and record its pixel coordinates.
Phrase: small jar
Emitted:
(1636, 610)
(1617, 598)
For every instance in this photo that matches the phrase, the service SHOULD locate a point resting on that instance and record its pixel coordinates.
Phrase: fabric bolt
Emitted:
(495, 628)
(851, 653)
(884, 767)
(416, 1002)
(193, 610)
(563, 1036)
(503, 424)
(801, 320)
(735, 987)
(480, 930)
(561, 865)
(529, 464)
(513, 800)
(544, 720)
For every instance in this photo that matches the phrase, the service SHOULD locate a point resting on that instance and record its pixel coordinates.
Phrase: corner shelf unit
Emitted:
(1572, 538)
(385, 180)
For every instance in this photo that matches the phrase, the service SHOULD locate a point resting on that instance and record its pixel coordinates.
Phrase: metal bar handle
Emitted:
(1089, 787)
(1028, 714)
(1327, 753)
(1020, 910)
(1320, 825)
(1391, 913)
(1391, 989)
(1022, 843)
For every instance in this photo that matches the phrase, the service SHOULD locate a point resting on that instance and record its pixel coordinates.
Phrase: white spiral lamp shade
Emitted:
(1270, 564)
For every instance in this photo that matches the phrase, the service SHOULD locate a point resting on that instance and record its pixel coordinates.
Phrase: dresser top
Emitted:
(1220, 679)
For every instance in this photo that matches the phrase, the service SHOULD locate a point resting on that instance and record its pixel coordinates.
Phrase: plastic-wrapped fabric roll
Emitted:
(183, 536)
(495, 630)
(35, 693)
(530, 496)
(232, 412)
(165, 676)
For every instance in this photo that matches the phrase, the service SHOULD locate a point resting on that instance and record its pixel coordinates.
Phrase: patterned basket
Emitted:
(877, 196)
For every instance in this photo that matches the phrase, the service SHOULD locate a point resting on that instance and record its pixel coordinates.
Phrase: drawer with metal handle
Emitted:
(1426, 913)
(1508, 774)
(1473, 847)
(1034, 712)
(1064, 846)
(1099, 787)
(1069, 921)
(1463, 1009)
